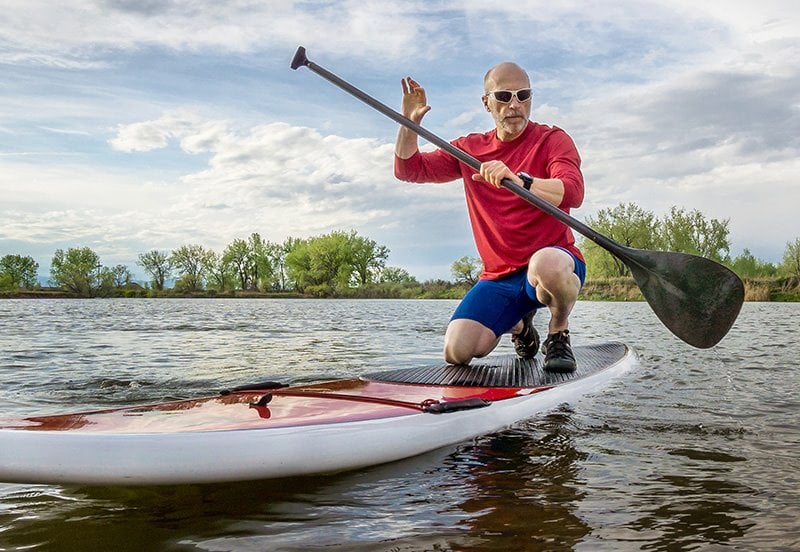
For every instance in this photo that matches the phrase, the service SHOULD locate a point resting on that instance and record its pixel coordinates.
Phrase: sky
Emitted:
(133, 125)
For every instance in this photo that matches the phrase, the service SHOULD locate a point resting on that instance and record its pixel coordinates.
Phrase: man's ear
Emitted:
(485, 100)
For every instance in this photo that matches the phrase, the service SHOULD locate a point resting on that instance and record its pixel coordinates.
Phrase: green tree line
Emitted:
(333, 264)
(340, 262)
(682, 231)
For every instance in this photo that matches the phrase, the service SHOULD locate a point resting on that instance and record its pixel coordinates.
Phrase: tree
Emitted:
(239, 257)
(284, 279)
(324, 265)
(190, 261)
(747, 266)
(275, 255)
(298, 264)
(121, 276)
(466, 270)
(219, 274)
(321, 265)
(368, 258)
(158, 265)
(396, 275)
(78, 270)
(627, 224)
(106, 282)
(263, 262)
(791, 259)
(692, 233)
(17, 271)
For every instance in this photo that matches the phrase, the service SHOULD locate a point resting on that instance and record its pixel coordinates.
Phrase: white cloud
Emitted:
(80, 34)
(275, 179)
(155, 134)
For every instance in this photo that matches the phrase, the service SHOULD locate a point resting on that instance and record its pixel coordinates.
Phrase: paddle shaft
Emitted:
(601, 240)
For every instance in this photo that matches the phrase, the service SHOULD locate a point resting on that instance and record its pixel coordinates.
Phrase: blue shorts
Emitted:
(500, 304)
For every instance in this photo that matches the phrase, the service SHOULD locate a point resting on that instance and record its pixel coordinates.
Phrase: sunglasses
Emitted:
(504, 96)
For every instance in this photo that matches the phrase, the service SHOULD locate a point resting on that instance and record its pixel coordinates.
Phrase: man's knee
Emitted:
(454, 356)
(466, 339)
(550, 265)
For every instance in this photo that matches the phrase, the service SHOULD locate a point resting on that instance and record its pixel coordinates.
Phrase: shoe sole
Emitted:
(560, 367)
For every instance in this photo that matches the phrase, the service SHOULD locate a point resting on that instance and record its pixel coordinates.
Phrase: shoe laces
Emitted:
(524, 337)
(558, 344)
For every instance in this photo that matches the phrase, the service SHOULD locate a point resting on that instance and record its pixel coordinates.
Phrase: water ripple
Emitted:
(695, 449)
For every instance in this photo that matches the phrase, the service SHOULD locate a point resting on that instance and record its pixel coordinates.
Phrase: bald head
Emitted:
(510, 117)
(503, 72)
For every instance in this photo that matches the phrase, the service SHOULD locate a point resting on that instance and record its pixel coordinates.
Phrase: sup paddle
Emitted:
(696, 298)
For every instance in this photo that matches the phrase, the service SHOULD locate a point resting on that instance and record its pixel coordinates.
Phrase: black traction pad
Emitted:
(506, 370)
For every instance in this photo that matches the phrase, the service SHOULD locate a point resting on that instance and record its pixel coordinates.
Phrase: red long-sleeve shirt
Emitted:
(507, 229)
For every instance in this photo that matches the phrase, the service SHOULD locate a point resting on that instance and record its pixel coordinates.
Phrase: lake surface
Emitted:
(692, 450)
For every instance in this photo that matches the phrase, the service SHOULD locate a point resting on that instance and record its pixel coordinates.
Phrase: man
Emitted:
(530, 259)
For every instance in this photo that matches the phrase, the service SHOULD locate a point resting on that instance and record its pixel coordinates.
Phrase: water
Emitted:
(693, 450)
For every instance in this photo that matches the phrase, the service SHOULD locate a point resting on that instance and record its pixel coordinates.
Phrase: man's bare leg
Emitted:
(466, 339)
(552, 272)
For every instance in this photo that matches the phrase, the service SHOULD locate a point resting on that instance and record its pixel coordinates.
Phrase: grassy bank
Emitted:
(596, 289)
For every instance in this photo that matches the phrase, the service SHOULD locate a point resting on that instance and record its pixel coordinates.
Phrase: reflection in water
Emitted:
(694, 510)
(523, 491)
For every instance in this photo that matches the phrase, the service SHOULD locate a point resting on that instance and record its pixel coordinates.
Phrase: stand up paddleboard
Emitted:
(269, 430)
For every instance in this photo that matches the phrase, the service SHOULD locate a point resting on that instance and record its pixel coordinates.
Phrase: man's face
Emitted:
(510, 118)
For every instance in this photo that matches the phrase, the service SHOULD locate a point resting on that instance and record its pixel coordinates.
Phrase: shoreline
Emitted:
(610, 289)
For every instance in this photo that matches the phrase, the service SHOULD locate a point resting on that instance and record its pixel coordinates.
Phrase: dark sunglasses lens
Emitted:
(502, 96)
(524, 95)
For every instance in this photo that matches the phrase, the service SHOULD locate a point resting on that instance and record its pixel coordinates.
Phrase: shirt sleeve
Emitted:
(435, 166)
(564, 163)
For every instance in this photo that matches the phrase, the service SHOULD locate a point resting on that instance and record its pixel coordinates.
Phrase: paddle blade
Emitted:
(697, 299)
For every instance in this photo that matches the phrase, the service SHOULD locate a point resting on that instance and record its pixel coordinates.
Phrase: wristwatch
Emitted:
(527, 180)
